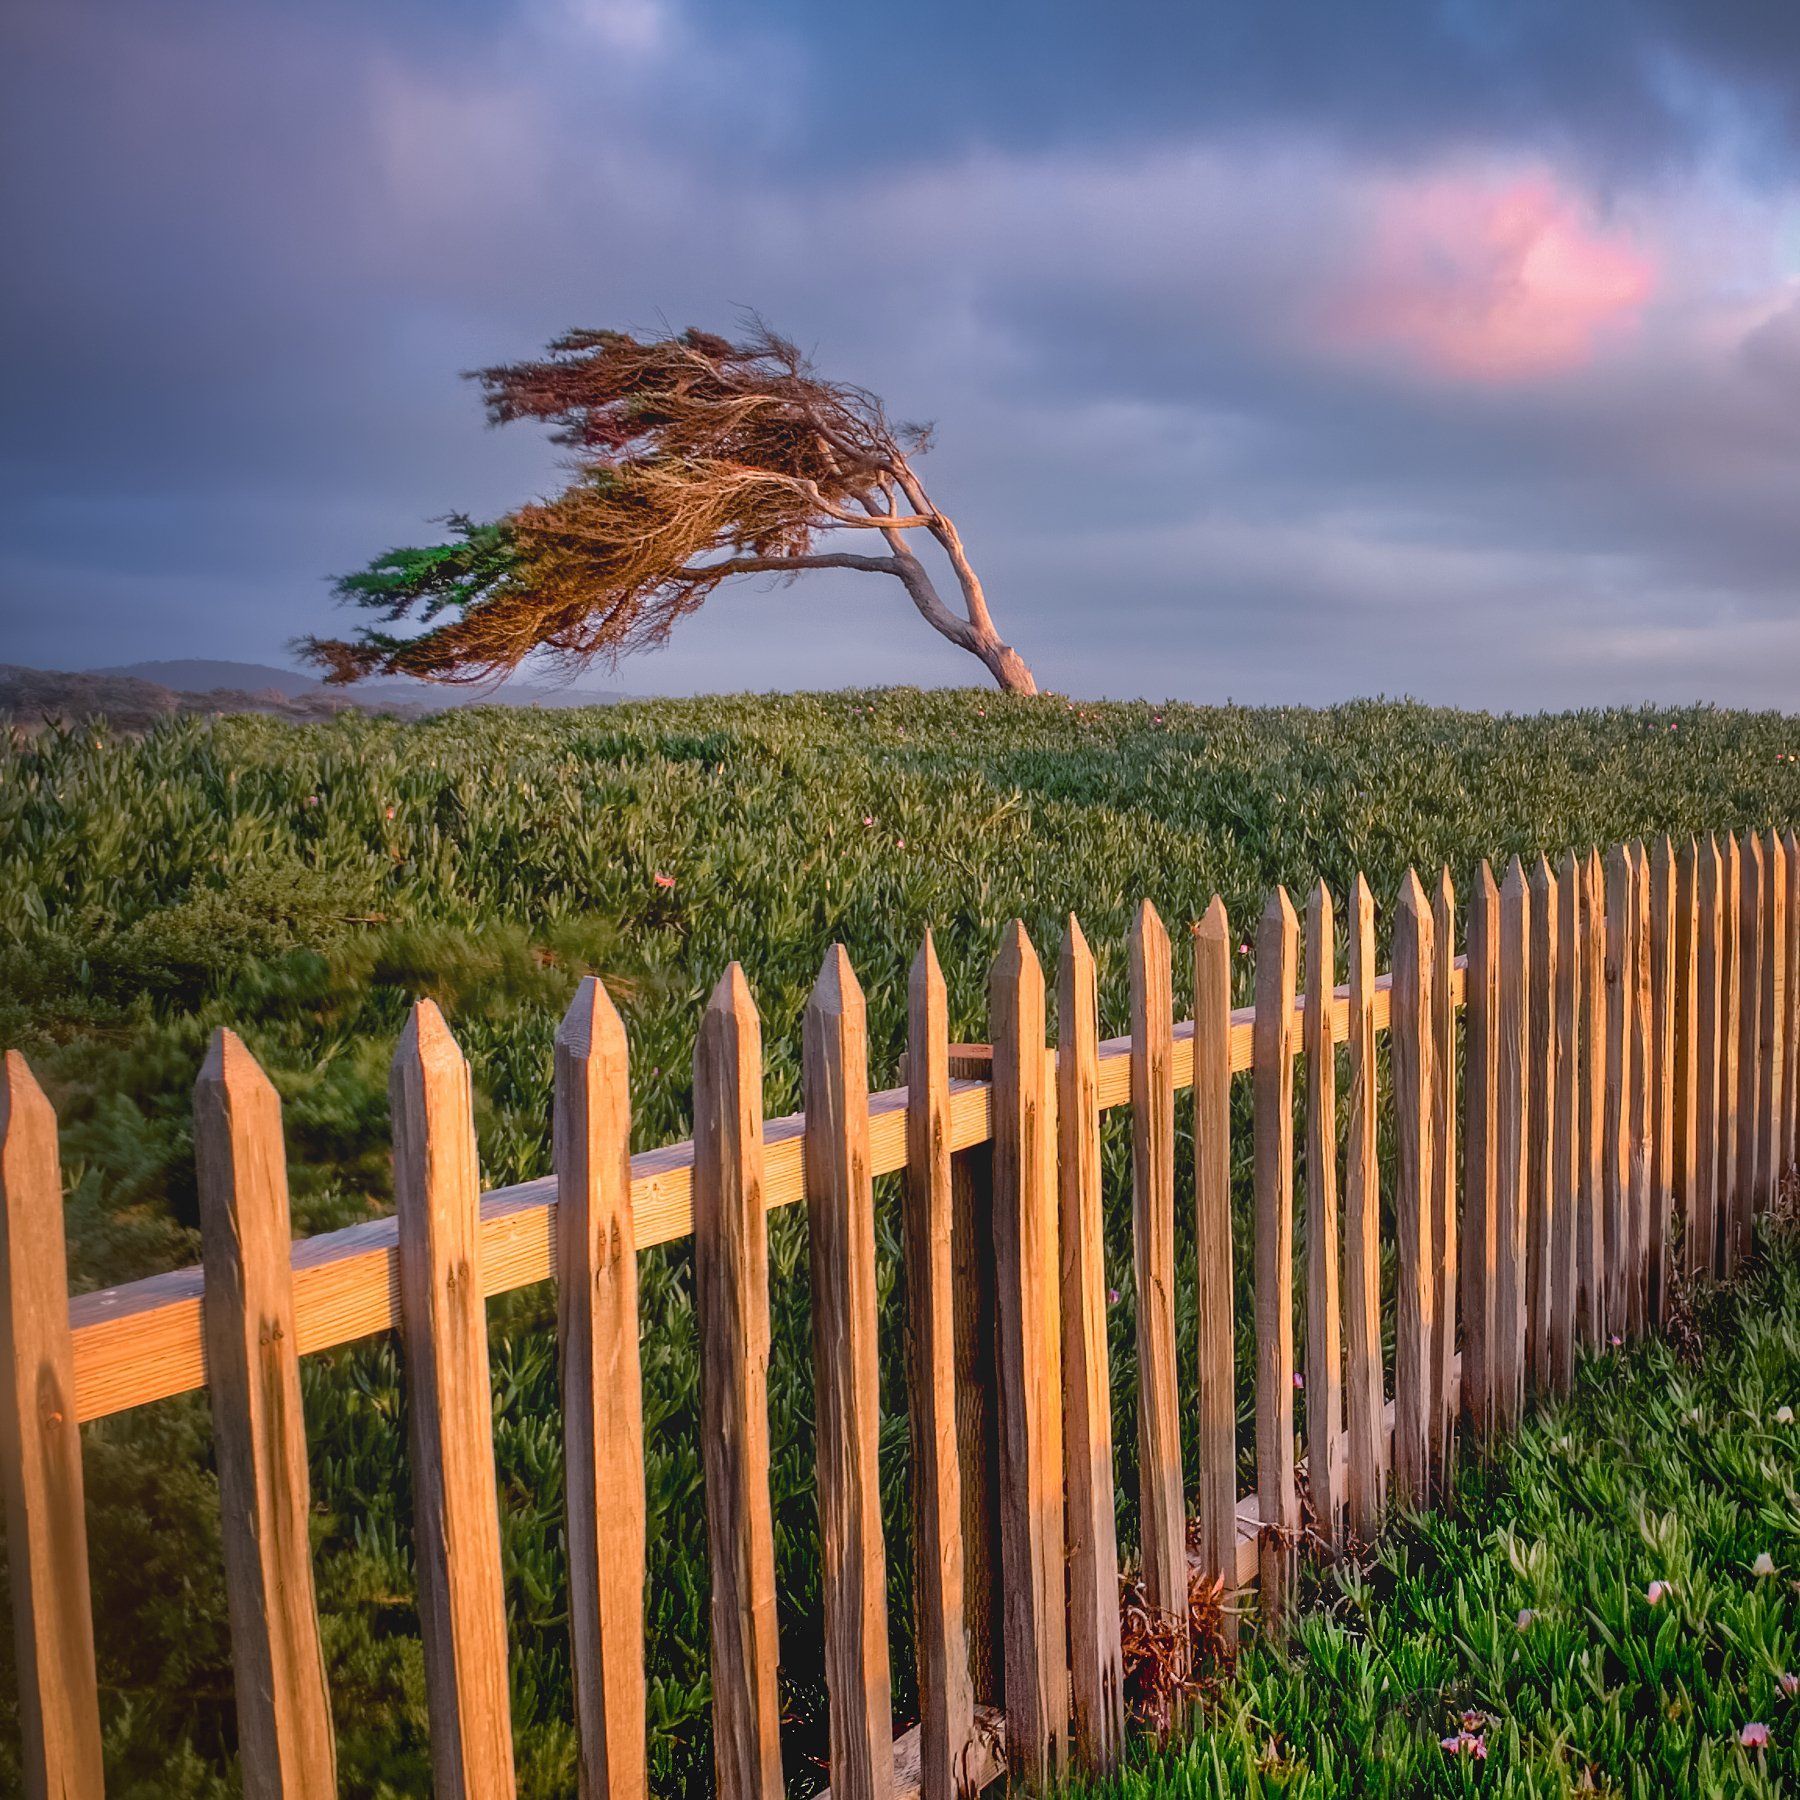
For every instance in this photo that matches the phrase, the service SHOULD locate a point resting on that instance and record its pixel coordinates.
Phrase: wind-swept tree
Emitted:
(695, 460)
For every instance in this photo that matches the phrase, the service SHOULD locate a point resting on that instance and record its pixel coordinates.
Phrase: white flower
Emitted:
(1764, 1565)
(1784, 1415)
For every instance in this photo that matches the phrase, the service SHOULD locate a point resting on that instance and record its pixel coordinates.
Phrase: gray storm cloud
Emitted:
(1470, 371)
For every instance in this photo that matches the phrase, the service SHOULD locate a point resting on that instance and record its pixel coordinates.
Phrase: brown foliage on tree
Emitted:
(695, 460)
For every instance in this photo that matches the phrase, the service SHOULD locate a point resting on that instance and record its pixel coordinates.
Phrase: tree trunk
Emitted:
(974, 634)
(1007, 667)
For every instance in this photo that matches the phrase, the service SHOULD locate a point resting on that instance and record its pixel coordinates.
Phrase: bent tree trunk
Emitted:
(1008, 668)
(972, 629)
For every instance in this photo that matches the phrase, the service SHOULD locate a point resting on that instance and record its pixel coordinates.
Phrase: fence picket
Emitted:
(1481, 1164)
(1751, 960)
(1215, 1506)
(1097, 1675)
(1444, 1245)
(1710, 1104)
(1512, 1198)
(1684, 1002)
(1661, 1076)
(285, 1741)
(1564, 1189)
(1162, 1521)
(1365, 1386)
(1029, 1369)
(1590, 1236)
(40, 1456)
(602, 1393)
(731, 1296)
(840, 1224)
(1726, 1146)
(1620, 962)
(1410, 1046)
(1546, 930)
(1773, 1005)
(1638, 1014)
(443, 1324)
(1278, 1513)
(946, 1697)
(1324, 1361)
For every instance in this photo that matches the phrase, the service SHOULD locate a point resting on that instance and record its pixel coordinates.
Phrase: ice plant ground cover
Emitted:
(303, 884)
(1612, 1607)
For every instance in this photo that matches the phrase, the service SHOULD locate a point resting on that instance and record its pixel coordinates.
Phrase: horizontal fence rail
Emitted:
(142, 1341)
(1628, 1106)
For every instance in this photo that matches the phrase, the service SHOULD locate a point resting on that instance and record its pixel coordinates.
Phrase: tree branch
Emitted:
(776, 565)
(944, 530)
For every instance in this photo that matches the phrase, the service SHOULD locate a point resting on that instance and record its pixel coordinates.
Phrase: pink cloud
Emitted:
(1492, 279)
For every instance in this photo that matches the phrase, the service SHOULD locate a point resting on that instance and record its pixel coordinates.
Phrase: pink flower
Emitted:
(1525, 1619)
(1299, 1379)
(1465, 1743)
(1657, 1592)
(868, 818)
(1243, 949)
(664, 881)
(390, 812)
(1112, 1296)
(312, 799)
(1754, 1736)
(1615, 1340)
(899, 843)
(1788, 1682)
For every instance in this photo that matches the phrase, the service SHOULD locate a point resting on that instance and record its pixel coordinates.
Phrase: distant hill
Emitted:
(34, 697)
(201, 675)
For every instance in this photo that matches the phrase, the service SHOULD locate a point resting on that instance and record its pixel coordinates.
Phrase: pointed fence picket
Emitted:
(602, 1394)
(1028, 1368)
(1214, 1306)
(1096, 1656)
(1324, 1356)
(40, 1452)
(1364, 1381)
(1162, 1520)
(443, 1331)
(285, 1741)
(1627, 1106)
(946, 1696)
(1410, 1040)
(731, 1297)
(1278, 1505)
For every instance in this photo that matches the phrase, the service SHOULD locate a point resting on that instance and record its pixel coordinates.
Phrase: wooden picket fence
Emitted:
(1629, 1102)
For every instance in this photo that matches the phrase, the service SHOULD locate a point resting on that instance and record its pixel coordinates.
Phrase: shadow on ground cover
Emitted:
(1591, 1615)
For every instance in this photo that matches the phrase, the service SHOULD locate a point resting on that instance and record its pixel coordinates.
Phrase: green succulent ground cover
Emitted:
(1592, 1614)
(303, 884)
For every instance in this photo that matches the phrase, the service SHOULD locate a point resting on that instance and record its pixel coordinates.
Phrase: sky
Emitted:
(1281, 352)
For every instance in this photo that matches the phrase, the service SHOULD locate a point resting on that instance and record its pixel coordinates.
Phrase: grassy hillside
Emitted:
(304, 883)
